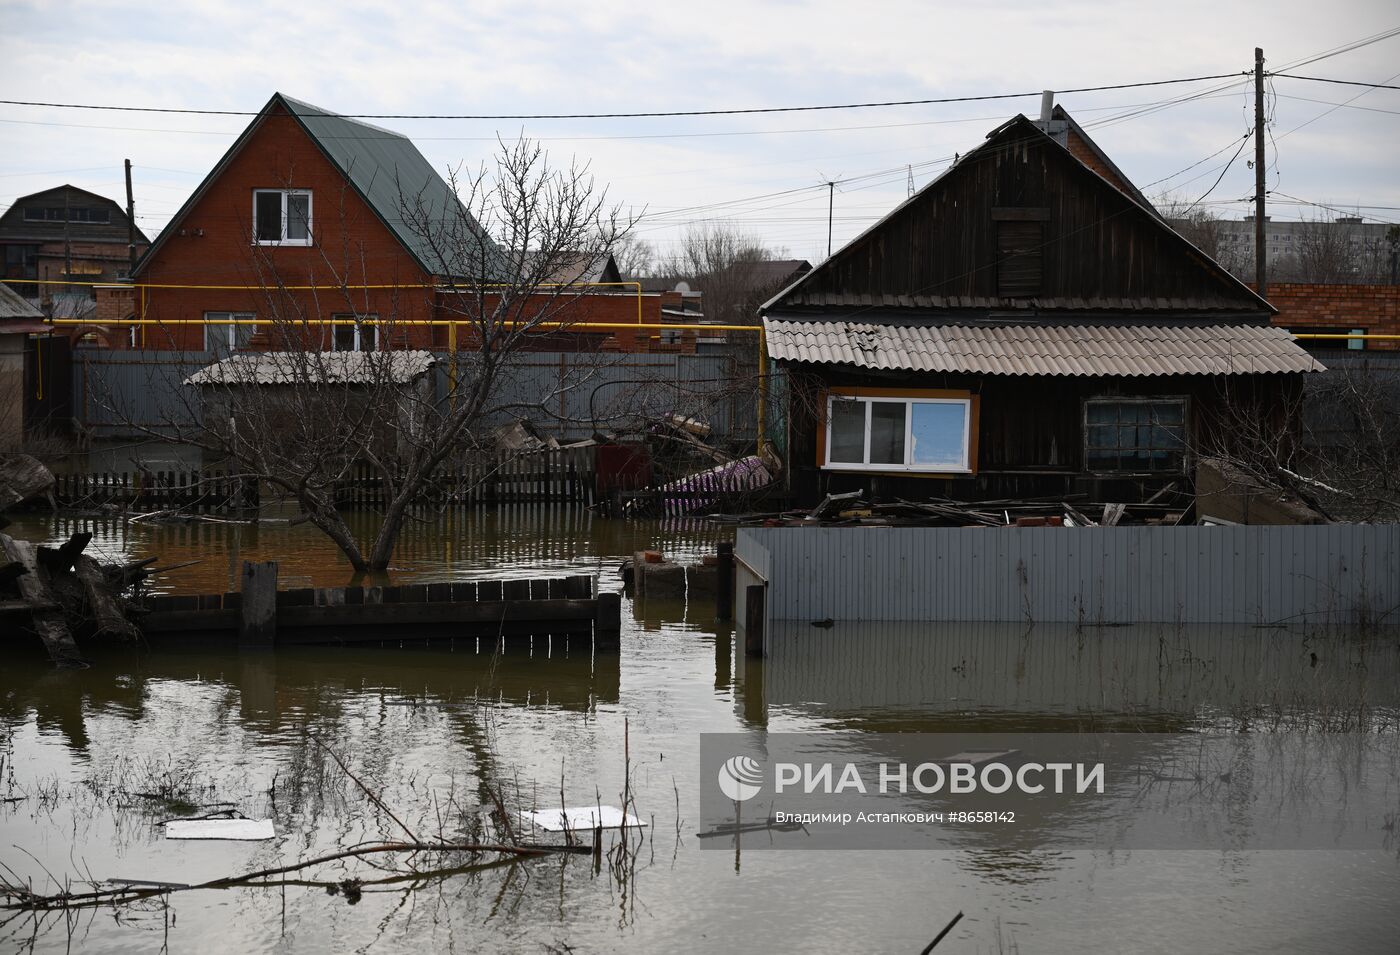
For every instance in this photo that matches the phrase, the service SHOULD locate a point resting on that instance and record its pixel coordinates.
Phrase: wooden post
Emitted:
(257, 625)
(724, 582)
(755, 597)
(607, 624)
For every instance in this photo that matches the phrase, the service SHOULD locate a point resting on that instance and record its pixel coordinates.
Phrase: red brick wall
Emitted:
(213, 245)
(1375, 308)
(1080, 150)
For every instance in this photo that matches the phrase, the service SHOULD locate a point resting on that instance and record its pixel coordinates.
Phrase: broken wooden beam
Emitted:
(47, 620)
(59, 560)
(108, 618)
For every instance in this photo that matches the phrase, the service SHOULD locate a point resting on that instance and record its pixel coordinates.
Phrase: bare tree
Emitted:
(1333, 442)
(1203, 229)
(635, 257)
(299, 418)
(725, 264)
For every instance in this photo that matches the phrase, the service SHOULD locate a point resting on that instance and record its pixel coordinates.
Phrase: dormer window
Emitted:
(282, 216)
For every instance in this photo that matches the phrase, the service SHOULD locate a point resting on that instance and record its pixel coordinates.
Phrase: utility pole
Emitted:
(1260, 280)
(830, 208)
(67, 242)
(130, 224)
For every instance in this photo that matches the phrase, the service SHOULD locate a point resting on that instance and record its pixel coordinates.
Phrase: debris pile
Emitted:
(59, 593)
(854, 508)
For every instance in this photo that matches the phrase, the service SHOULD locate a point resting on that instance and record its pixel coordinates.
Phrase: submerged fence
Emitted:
(1334, 574)
(559, 476)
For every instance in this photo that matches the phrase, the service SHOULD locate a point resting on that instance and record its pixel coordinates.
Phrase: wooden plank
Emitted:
(34, 588)
(257, 625)
(102, 602)
(724, 584)
(754, 614)
(607, 626)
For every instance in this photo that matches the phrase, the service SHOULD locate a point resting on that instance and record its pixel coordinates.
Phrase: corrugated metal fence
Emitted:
(567, 394)
(1339, 574)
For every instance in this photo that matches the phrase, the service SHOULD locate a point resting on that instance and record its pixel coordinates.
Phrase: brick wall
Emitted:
(211, 246)
(1375, 308)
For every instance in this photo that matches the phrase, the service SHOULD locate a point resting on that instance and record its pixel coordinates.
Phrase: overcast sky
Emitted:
(518, 57)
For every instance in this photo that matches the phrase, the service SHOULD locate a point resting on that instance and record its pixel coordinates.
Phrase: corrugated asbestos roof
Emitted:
(336, 367)
(1075, 350)
(14, 305)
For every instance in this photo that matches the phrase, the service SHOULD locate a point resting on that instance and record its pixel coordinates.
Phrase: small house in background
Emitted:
(65, 234)
(1026, 325)
(330, 396)
(18, 319)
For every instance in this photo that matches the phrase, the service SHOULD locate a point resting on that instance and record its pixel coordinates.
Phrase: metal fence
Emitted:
(1331, 574)
(565, 394)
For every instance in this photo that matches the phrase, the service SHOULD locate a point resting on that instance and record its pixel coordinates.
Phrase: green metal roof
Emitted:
(385, 169)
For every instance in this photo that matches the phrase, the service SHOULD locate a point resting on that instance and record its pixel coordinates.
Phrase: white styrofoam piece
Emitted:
(581, 818)
(242, 829)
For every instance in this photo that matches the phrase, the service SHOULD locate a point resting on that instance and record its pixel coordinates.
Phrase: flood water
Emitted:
(425, 727)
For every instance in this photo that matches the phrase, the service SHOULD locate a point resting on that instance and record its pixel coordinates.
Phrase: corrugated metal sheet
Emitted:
(394, 176)
(339, 367)
(579, 392)
(1126, 350)
(1333, 574)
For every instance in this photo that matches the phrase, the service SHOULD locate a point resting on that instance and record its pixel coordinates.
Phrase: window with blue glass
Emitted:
(898, 434)
(1135, 436)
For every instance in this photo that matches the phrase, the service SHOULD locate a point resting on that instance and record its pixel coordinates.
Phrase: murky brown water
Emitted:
(427, 725)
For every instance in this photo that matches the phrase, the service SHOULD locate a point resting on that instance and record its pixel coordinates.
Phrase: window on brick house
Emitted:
(282, 216)
(361, 336)
(1330, 344)
(227, 332)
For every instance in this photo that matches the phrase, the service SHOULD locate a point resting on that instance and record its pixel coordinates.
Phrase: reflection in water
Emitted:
(427, 726)
(455, 543)
(1056, 677)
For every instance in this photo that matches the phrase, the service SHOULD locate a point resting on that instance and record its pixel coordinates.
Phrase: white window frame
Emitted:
(226, 321)
(284, 193)
(362, 322)
(963, 467)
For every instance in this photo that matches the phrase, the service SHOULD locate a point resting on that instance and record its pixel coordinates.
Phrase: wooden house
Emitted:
(1025, 325)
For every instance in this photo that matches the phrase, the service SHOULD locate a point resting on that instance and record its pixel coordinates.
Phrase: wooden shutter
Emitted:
(1019, 257)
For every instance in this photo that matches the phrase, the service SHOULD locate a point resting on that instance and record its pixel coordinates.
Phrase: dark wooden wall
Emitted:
(1099, 245)
(1030, 433)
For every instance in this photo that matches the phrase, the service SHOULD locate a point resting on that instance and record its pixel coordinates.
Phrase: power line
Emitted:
(637, 115)
(1324, 79)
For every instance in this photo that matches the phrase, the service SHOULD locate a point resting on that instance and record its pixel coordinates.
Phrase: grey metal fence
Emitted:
(566, 394)
(1334, 574)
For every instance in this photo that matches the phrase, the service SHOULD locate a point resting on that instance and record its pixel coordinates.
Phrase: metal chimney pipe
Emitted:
(1047, 105)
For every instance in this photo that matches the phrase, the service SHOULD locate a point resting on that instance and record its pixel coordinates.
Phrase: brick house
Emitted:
(307, 217)
(65, 234)
(1338, 310)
